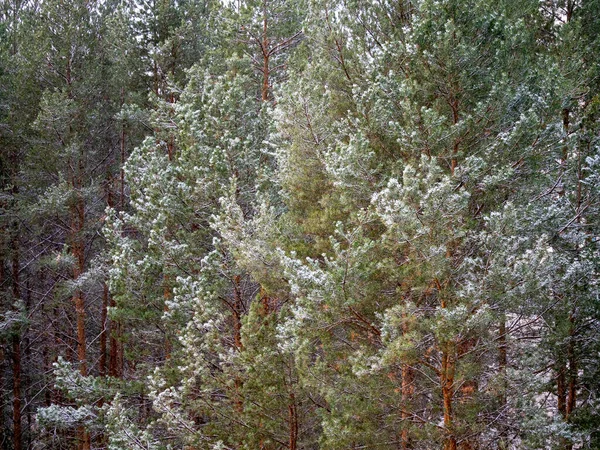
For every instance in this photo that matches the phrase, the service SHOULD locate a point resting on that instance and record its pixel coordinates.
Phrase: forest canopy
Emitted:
(299, 224)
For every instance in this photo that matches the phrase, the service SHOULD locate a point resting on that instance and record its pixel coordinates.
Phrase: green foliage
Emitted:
(321, 224)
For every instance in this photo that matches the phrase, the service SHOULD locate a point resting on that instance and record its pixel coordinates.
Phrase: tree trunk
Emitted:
(167, 296)
(266, 55)
(502, 359)
(237, 337)
(293, 421)
(16, 341)
(238, 309)
(105, 296)
(17, 431)
(447, 382)
(572, 370)
(561, 388)
(406, 393)
(113, 369)
(407, 390)
(78, 297)
(454, 106)
(3, 428)
(78, 252)
(103, 332)
(27, 375)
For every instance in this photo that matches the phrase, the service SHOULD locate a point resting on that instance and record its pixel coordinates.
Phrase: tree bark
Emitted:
(16, 337)
(103, 332)
(407, 390)
(238, 309)
(17, 429)
(572, 370)
(502, 359)
(293, 421)
(561, 388)
(78, 269)
(167, 296)
(113, 361)
(237, 337)
(447, 382)
(266, 55)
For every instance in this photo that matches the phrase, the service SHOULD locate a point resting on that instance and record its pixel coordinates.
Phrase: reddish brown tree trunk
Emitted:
(115, 328)
(16, 344)
(237, 336)
(572, 372)
(446, 374)
(113, 369)
(406, 393)
(17, 431)
(238, 309)
(78, 252)
(293, 422)
(502, 358)
(447, 382)
(266, 55)
(407, 390)
(78, 298)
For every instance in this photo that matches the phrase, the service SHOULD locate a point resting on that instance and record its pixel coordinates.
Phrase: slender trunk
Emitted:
(103, 332)
(455, 146)
(122, 142)
(47, 369)
(28, 365)
(78, 297)
(468, 389)
(237, 337)
(16, 338)
(446, 374)
(116, 350)
(78, 252)
(17, 432)
(447, 382)
(502, 365)
(16, 352)
(569, 382)
(565, 150)
(155, 77)
(407, 390)
(561, 388)
(167, 297)
(56, 396)
(120, 352)
(238, 309)
(561, 393)
(572, 371)
(105, 297)
(502, 358)
(571, 349)
(113, 346)
(266, 55)
(293, 421)
(3, 429)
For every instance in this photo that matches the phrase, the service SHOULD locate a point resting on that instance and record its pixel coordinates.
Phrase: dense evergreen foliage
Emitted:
(299, 224)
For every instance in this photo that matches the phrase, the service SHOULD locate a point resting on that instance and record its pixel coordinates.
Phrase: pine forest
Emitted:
(299, 224)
